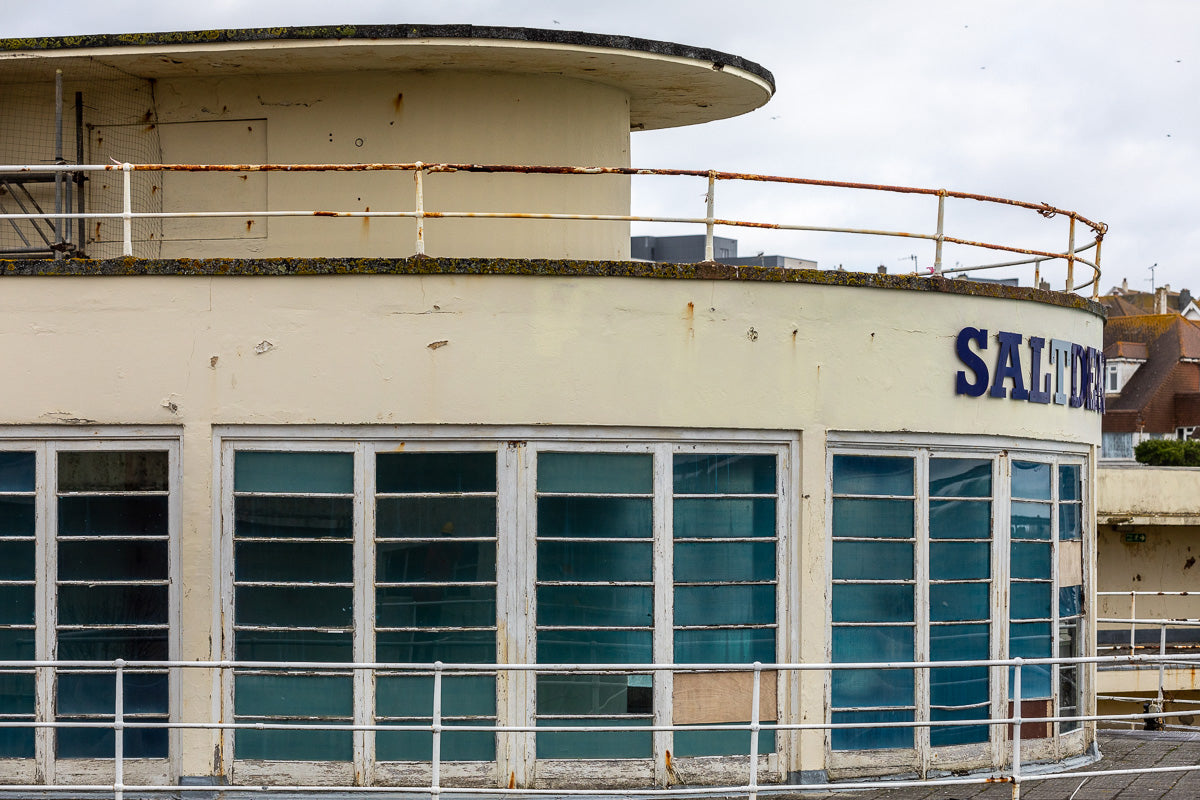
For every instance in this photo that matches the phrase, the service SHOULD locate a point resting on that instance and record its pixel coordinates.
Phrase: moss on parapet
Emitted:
(418, 265)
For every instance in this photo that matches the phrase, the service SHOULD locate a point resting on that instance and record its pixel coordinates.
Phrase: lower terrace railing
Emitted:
(59, 243)
(1013, 772)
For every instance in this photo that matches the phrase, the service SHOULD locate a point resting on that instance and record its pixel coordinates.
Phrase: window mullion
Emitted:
(45, 571)
(921, 572)
(663, 605)
(364, 609)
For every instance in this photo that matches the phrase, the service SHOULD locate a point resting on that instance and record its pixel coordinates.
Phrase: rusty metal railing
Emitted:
(1072, 255)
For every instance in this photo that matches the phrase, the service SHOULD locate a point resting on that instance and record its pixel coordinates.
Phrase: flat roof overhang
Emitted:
(668, 84)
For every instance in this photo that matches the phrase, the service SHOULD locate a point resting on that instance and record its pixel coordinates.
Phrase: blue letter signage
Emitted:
(1072, 374)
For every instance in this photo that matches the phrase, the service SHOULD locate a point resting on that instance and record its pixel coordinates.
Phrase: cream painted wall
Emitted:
(510, 350)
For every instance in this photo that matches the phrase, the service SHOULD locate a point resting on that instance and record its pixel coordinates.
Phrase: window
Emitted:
(377, 551)
(1113, 378)
(917, 549)
(88, 527)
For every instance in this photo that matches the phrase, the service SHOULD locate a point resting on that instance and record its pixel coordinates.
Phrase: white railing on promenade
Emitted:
(1071, 255)
(1014, 772)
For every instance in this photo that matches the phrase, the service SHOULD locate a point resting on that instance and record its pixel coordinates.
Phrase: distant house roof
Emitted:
(1136, 350)
(1155, 399)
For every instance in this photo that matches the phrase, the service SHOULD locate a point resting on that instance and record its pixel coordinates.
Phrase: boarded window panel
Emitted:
(112, 515)
(293, 517)
(876, 519)
(435, 472)
(595, 517)
(723, 473)
(724, 517)
(873, 603)
(856, 561)
(960, 477)
(293, 473)
(112, 471)
(880, 475)
(872, 737)
(607, 473)
(725, 646)
(596, 606)
(722, 697)
(436, 517)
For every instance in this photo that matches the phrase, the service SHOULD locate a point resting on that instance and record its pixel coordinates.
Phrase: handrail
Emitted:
(1071, 255)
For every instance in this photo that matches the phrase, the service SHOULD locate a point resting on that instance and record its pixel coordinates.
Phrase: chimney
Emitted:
(1160, 300)
(1185, 297)
(1124, 285)
(881, 269)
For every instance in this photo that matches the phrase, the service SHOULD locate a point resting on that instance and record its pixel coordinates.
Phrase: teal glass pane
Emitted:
(1069, 485)
(115, 560)
(592, 745)
(858, 561)
(594, 561)
(724, 561)
(593, 647)
(960, 519)
(596, 517)
(455, 745)
(435, 472)
(293, 696)
(873, 475)
(294, 745)
(112, 471)
(112, 515)
(93, 693)
(608, 473)
(1029, 640)
(725, 646)
(108, 644)
(960, 561)
(959, 642)
(112, 605)
(872, 602)
(594, 694)
(412, 696)
(595, 606)
(17, 471)
(959, 686)
(1069, 524)
(960, 477)
(859, 688)
(706, 473)
(873, 737)
(398, 562)
(873, 518)
(317, 560)
(1030, 520)
(721, 743)
(94, 743)
(1030, 560)
(451, 605)
(1035, 681)
(1070, 601)
(292, 646)
(434, 517)
(723, 517)
(1029, 600)
(305, 606)
(293, 517)
(293, 473)
(952, 602)
(17, 693)
(16, 605)
(16, 561)
(426, 647)
(16, 516)
(16, 742)
(945, 736)
(16, 644)
(725, 605)
(873, 643)
(1030, 480)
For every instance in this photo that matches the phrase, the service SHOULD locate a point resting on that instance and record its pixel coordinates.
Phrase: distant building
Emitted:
(1121, 301)
(690, 250)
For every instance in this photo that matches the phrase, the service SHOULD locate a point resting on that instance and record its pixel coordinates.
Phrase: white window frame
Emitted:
(46, 442)
(517, 449)
(1002, 451)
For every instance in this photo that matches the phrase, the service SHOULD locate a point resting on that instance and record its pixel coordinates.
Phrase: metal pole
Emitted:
(937, 253)
(1071, 256)
(754, 729)
(79, 176)
(1162, 664)
(127, 214)
(1096, 284)
(420, 208)
(710, 200)
(119, 733)
(434, 784)
(1016, 738)
(58, 159)
(1132, 622)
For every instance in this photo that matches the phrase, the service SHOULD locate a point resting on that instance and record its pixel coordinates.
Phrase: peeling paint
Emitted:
(437, 344)
(264, 347)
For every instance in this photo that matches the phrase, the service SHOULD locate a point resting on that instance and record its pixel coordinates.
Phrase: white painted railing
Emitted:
(1071, 255)
(1013, 772)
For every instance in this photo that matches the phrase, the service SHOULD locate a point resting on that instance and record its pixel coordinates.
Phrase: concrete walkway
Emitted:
(1119, 750)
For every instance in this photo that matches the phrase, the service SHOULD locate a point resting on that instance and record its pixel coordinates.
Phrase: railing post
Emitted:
(710, 199)
(1162, 664)
(755, 725)
(1132, 623)
(435, 780)
(127, 209)
(1016, 736)
(59, 222)
(119, 732)
(1096, 282)
(1071, 256)
(941, 228)
(418, 176)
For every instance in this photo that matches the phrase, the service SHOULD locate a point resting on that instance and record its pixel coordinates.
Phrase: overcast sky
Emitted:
(1090, 105)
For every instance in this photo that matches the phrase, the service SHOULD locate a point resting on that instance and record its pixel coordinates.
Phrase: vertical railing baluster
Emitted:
(1016, 736)
(119, 732)
(754, 729)
(435, 780)
(418, 176)
(1071, 256)
(127, 209)
(941, 230)
(710, 200)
